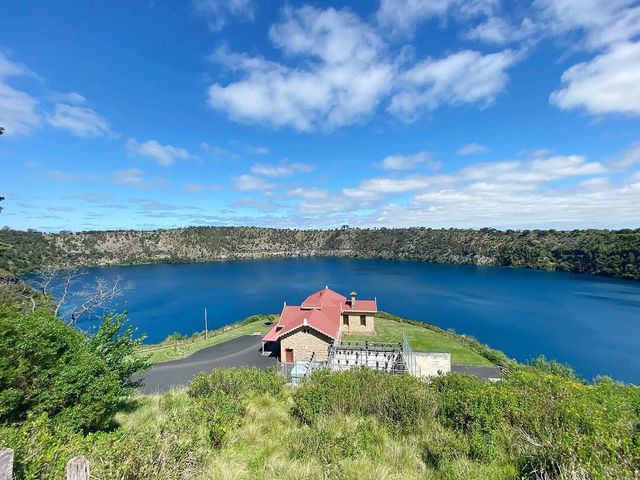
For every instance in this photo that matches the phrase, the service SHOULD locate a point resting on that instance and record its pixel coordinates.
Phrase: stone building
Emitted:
(305, 332)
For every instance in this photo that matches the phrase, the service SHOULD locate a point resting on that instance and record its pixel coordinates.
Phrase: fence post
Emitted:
(78, 468)
(6, 464)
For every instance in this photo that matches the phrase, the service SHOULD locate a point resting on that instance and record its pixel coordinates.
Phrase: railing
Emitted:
(77, 468)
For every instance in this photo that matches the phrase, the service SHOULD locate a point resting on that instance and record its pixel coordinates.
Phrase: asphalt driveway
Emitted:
(243, 351)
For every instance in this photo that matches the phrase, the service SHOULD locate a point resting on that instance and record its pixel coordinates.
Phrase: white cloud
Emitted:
(607, 84)
(341, 79)
(251, 182)
(498, 31)
(463, 77)
(282, 169)
(164, 155)
(472, 148)
(256, 150)
(408, 162)
(192, 187)
(630, 156)
(73, 98)
(218, 13)
(136, 178)
(81, 121)
(604, 21)
(18, 114)
(263, 206)
(311, 193)
(516, 174)
(402, 16)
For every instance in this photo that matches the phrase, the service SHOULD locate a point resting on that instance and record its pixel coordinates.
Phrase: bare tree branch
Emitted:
(97, 297)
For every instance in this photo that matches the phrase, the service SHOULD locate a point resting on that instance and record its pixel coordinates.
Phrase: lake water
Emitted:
(593, 323)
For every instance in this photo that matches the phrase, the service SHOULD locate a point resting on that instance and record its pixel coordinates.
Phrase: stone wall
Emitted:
(355, 324)
(304, 342)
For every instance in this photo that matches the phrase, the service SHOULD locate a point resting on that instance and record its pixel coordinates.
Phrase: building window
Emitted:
(345, 319)
(363, 320)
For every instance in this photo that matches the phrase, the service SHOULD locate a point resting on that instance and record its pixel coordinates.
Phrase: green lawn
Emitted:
(174, 352)
(421, 339)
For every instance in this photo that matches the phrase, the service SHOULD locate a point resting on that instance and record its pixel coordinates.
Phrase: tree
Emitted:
(61, 285)
(1, 130)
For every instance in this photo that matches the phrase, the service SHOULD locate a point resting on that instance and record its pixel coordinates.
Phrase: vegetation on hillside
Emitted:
(48, 367)
(246, 424)
(600, 252)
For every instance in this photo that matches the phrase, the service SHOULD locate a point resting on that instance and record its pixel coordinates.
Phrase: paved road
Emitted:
(243, 351)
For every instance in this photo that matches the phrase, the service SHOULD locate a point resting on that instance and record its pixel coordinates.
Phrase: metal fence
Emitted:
(410, 358)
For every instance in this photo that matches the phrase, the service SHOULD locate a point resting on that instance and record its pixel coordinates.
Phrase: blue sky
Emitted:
(439, 113)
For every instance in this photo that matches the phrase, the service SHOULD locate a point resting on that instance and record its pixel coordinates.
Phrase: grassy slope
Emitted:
(422, 339)
(172, 351)
(270, 443)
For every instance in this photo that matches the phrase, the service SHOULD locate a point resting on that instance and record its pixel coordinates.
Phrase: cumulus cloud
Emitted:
(18, 109)
(606, 84)
(408, 162)
(464, 77)
(79, 120)
(280, 170)
(251, 182)
(472, 148)
(164, 155)
(218, 13)
(340, 80)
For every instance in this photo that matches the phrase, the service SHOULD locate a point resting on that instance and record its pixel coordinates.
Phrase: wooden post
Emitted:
(206, 330)
(78, 468)
(6, 464)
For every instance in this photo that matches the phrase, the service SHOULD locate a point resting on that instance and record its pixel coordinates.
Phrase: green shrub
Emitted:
(47, 366)
(399, 401)
(559, 425)
(236, 382)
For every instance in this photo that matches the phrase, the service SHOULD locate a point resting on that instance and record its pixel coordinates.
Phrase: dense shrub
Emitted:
(556, 425)
(47, 366)
(399, 401)
(236, 382)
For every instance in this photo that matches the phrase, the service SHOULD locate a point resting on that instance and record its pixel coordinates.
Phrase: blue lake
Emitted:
(593, 323)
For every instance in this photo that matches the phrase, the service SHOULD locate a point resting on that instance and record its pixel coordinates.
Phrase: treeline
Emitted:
(600, 252)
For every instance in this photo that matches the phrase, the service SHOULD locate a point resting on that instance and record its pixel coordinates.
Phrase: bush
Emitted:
(401, 402)
(47, 366)
(236, 382)
(554, 425)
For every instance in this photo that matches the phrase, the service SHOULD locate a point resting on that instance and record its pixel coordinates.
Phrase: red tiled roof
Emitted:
(320, 311)
(326, 296)
(361, 305)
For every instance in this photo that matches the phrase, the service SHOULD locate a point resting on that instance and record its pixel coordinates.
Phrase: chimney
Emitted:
(353, 299)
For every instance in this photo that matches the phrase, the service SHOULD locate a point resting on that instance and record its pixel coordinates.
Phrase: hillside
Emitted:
(600, 252)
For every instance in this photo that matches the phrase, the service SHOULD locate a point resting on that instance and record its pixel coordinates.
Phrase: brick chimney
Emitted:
(353, 299)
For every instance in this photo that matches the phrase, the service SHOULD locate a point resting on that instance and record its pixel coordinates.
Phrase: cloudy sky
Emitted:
(438, 113)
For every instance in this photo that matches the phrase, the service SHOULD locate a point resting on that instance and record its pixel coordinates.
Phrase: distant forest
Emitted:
(600, 252)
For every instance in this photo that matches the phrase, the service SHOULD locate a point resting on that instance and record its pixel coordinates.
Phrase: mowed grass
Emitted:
(421, 339)
(174, 351)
